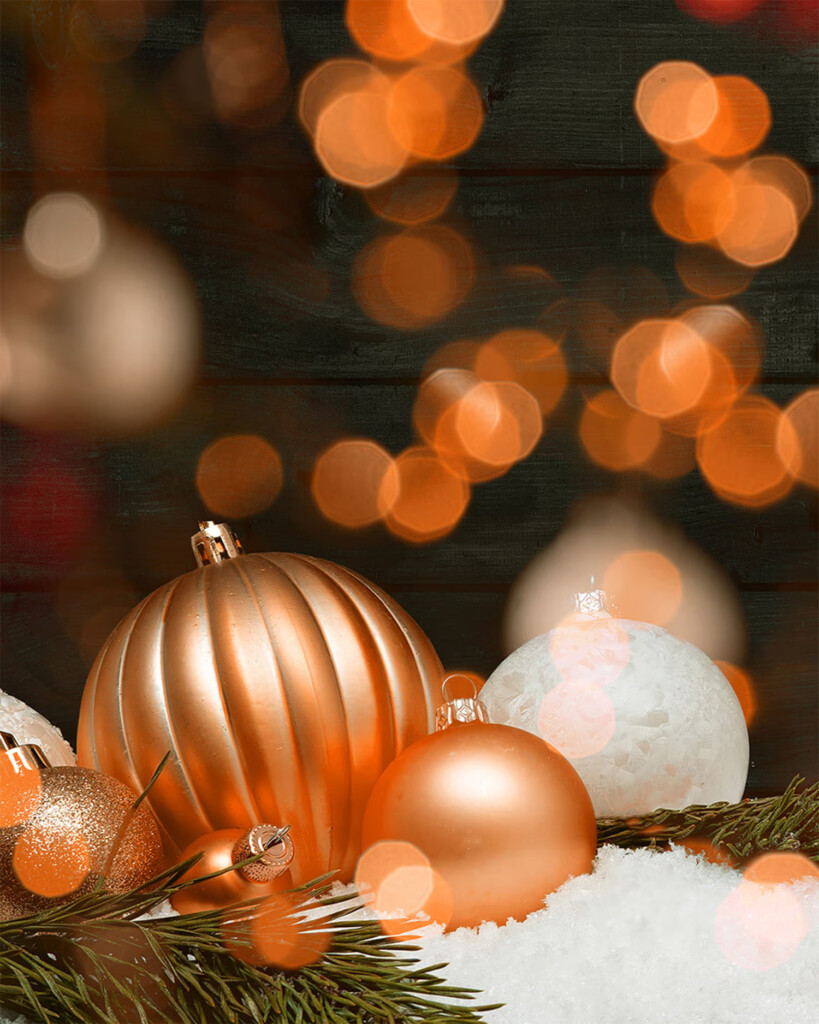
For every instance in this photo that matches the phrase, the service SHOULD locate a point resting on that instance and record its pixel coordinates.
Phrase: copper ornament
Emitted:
(499, 814)
(222, 849)
(283, 685)
(65, 829)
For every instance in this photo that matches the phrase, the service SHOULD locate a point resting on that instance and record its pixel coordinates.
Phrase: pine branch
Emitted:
(91, 962)
(744, 830)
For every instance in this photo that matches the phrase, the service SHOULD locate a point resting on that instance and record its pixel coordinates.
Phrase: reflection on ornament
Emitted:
(497, 815)
(226, 848)
(647, 720)
(62, 829)
(282, 684)
(30, 727)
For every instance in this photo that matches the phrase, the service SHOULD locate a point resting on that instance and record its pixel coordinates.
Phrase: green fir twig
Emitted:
(789, 822)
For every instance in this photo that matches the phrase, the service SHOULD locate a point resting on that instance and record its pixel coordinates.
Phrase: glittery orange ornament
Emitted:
(63, 829)
(498, 814)
(226, 848)
(283, 686)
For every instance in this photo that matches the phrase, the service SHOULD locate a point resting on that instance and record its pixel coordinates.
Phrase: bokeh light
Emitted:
(347, 479)
(732, 334)
(674, 457)
(246, 63)
(709, 273)
(455, 22)
(435, 111)
(577, 718)
(615, 435)
(280, 935)
(781, 867)
(238, 475)
(743, 687)
(762, 227)
(20, 793)
(585, 650)
(424, 499)
(386, 29)
(529, 358)
(676, 101)
(354, 139)
(781, 173)
(398, 882)
(661, 367)
(743, 118)
(64, 235)
(107, 30)
(326, 83)
(739, 457)
(645, 586)
(723, 12)
(415, 197)
(50, 862)
(414, 278)
(694, 201)
(797, 437)
(759, 926)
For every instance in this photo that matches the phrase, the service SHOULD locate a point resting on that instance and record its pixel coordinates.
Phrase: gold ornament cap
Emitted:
(459, 710)
(215, 542)
(23, 757)
(276, 848)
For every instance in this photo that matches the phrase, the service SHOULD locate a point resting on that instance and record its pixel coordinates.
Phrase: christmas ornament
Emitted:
(29, 726)
(647, 720)
(501, 817)
(64, 828)
(229, 847)
(282, 684)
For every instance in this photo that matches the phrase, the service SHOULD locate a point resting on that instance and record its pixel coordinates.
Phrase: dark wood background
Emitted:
(560, 177)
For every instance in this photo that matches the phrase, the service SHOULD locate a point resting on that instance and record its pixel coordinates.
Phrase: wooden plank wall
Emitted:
(560, 177)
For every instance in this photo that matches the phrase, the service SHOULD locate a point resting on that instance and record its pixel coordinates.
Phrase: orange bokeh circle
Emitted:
(739, 457)
(615, 435)
(676, 101)
(424, 500)
(347, 479)
(797, 437)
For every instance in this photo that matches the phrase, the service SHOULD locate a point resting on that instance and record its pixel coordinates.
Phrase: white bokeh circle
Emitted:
(678, 738)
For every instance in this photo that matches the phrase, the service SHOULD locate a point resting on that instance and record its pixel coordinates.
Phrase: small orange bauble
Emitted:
(500, 815)
(283, 686)
(224, 849)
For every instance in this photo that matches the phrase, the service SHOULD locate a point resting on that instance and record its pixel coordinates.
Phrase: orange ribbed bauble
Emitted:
(282, 684)
(499, 815)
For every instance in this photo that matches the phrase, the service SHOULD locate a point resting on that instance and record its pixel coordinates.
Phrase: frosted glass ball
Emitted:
(28, 726)
(646, 719)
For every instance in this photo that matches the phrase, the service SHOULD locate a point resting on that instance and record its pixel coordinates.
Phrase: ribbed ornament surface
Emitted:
(282, 684)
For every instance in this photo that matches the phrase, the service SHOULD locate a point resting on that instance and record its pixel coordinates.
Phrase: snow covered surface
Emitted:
(647, 937)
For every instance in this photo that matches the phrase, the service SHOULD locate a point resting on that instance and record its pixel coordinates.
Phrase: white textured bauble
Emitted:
(28, 726)
(646, 719)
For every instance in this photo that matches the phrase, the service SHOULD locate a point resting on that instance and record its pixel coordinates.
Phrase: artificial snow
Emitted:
(635, 942)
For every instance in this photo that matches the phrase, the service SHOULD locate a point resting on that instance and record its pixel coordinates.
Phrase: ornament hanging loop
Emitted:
(459, 710)
(215, 542)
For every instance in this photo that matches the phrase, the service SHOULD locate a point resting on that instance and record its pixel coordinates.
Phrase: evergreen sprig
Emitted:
(94, 961)
(789, 822)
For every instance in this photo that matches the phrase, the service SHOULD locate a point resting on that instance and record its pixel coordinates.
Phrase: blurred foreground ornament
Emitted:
(100, 328)
(497, 817)
(30, 727)
(650, 572)
(282, 684)
(63, 829)
(227, 848)
(647, 720)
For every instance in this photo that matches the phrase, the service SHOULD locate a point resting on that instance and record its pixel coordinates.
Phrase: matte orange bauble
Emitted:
(283, 685)
(500, 815)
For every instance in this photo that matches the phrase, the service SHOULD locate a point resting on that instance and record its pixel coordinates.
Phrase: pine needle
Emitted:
(789, 822)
